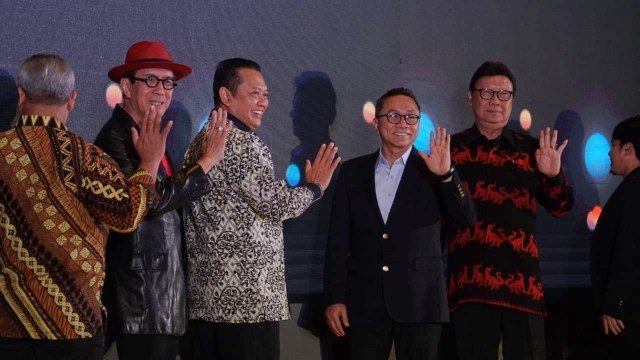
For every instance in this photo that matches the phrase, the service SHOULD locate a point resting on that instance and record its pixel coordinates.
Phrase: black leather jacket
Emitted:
(145, 290)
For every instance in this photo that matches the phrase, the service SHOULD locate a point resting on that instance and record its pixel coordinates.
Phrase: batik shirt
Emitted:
(234, 234)
(59, 196)
(496, 260)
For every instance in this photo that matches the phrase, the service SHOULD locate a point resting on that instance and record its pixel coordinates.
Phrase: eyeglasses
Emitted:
(153, 81)
(487, 94)
(394, 118)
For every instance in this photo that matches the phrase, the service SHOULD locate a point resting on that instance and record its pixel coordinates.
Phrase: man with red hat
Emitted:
(144, 290)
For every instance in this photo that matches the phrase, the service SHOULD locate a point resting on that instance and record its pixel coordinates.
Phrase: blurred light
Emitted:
(368, 112)
(596, 156)
(203, 123)
(293, 175)
(525, 120)
(426, 126)
(593, 216)
(113, 95)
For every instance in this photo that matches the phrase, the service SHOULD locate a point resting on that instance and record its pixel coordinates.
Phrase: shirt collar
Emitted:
(41, 120)
(237, 123)
(474, 135)
(403, 158)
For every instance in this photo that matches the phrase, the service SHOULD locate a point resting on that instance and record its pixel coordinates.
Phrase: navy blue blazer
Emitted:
(393, 269)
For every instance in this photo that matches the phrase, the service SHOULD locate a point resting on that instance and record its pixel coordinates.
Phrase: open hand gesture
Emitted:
(439, 159)
(549, 153)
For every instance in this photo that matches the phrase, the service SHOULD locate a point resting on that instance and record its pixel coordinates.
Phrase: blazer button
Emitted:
(385, 268)
(385, 236)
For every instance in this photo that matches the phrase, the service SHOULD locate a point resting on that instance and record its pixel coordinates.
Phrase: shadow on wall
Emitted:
(180, 135)
(8, 100)
(312, 113)
(571, 326)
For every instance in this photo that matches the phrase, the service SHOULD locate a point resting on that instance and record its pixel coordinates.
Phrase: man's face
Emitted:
(492, 114)
(251, 99)
(616, 156)
(400, 136)
(139, 97)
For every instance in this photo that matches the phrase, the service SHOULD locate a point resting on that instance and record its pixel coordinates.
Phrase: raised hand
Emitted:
(323, 166)
(548, 154)
(150, 142)
(215, 139)
(439, 160)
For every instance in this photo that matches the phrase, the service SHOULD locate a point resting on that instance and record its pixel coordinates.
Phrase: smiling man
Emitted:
(236, 285)
(495, 291)
(384, 274)
(145, 287)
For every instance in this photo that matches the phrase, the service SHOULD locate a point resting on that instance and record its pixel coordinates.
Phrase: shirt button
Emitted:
(385, 268)
(385, 236)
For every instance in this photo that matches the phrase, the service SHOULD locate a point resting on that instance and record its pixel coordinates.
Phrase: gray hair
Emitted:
(47, 79)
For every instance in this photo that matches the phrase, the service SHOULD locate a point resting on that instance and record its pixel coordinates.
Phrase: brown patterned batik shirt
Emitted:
(59, 197)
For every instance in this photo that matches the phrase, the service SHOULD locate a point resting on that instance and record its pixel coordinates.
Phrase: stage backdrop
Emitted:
(576, 63)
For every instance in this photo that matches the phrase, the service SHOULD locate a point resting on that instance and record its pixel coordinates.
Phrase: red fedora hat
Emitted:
(148, 54)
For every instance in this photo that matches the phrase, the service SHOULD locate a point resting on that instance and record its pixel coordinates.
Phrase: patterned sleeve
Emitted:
(118, 202)
(556, 195)
(247, 169)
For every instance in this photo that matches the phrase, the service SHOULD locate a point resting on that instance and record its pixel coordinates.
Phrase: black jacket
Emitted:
(144, 290)
(394, 268)
(615, 252)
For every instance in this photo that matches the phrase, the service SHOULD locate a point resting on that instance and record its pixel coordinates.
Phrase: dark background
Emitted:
(576, 63)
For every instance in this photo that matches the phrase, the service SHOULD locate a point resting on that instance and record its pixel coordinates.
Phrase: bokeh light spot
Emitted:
(525, 119)
(593, 216)
(113, 95)
(293, 175)
(368, 112)
(426, 126)
(203, 123)
(596, 156)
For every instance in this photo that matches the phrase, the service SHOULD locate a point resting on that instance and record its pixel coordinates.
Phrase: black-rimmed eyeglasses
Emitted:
(487, 94)
(394, 118)
(153, 81)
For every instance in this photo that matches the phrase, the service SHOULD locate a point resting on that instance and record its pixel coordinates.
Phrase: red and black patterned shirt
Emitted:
(59, 197)
(495, 261)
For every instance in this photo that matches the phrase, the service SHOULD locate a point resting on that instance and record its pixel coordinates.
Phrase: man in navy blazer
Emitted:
(384, 274)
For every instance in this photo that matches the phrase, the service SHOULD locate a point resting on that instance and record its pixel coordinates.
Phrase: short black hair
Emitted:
(492, 68)
(628, 131)
(394, 92)
(227, 75)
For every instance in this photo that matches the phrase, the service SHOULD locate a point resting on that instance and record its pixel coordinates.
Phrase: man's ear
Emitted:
(125, 85)
(22, 99)
(225, 95)
(629, 149)
(72, 100)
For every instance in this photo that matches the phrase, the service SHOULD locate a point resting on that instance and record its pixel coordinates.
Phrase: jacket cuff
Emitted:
(316, 189)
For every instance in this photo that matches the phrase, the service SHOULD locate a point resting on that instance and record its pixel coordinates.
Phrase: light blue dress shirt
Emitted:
(387, 181)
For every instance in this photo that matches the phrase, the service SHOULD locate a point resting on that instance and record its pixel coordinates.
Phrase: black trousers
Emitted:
(625, 345)
(372, 341)
(479, 328)
(28, 349)
(227, 341)
(152, 347)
